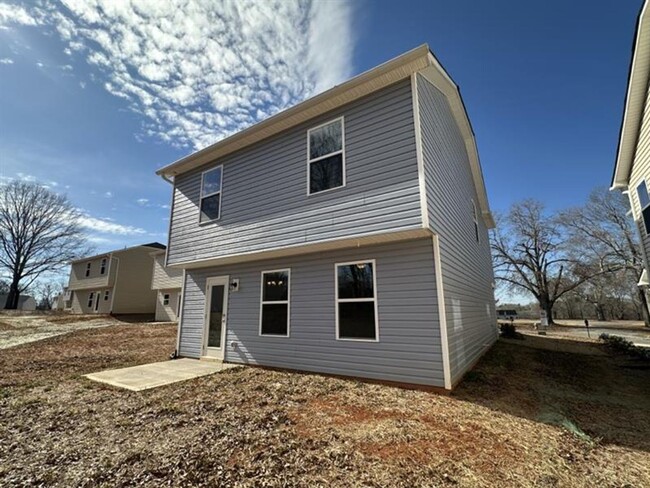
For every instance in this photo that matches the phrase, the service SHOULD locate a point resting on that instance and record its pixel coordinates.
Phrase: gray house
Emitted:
(346, 235)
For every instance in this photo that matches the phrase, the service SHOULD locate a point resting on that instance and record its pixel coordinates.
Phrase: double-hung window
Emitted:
(166, 299)
(210, 205)
(356, 301)
(102, 267)
(644, 202)
(326, 156)
(107, 295)
(88, 269)
(274, 307)
(91, 297)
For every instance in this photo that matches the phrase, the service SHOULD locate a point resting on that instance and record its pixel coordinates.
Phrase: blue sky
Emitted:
(95, 95)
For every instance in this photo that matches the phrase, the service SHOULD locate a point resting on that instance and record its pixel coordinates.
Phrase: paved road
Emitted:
(640, 338)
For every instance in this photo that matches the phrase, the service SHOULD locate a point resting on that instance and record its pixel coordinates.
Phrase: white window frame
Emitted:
(91, 299)
(107, 294)
(202, 196)
(349, 300)
(275, 302)
(88, 266)
(341, 151)
(102, 266)
(477, 228)
(166, 297)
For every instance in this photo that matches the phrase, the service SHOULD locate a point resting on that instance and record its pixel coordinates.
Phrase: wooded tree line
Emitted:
(578, 261)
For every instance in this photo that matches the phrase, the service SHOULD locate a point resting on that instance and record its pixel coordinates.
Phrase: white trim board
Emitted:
(424, 207)
(442, 312)
(298, 249)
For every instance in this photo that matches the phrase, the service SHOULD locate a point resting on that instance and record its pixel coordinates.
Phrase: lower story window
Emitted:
(107, 294)
(274, 307)
(91, 295)
(166, 299)
(356, 301)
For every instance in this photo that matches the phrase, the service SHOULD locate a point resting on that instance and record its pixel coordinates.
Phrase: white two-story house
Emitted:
(347, 235)
(632, 169)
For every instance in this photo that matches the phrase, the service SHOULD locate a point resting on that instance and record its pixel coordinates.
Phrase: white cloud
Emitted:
(105, 226)
(108, 194)
(142, 201)
(6, 61)
(219, 67)
(15, 14)
(82, 84)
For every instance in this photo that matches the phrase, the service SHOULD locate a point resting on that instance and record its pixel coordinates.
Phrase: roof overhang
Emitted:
(635, 99)
(419, 60)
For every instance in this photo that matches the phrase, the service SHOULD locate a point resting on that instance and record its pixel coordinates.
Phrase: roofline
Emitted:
(109, 253)
(635, 98)
(418, 60)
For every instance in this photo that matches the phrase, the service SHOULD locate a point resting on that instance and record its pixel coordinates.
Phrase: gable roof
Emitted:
(419, 60)
(634, 101)
(153, 245)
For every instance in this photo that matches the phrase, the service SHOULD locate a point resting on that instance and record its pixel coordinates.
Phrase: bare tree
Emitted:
(47, 292)
(602, 231)
(39, 233)
(531, 253)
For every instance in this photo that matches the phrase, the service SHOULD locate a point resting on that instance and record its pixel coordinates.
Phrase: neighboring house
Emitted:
(167, 283)
(25, 302)
(347, 235)
(632, 171)
(117, 282)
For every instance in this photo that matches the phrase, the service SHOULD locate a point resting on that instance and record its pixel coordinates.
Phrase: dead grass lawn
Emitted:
(522, 418)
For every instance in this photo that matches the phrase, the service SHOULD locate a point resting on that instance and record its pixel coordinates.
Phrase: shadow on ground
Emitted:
(604, 398)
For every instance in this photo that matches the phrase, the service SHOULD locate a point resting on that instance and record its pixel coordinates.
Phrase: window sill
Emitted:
(326, 191)
(351, 339)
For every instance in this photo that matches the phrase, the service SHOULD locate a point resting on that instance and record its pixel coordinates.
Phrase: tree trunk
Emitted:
(547, 306)
(644, 306)
(13, 296)
(600, 311)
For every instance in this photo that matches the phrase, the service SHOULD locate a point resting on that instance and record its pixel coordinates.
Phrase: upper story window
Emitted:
(88, 265)
(356, 301)
(102, 267)
(475, 217)
(644, 202)
(326, 156)
(210, 206)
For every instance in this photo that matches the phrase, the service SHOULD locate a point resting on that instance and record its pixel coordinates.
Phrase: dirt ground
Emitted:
(523, 417)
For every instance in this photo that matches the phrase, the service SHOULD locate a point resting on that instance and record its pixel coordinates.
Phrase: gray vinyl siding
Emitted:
(265, 203)
(409, 347)
(466, 265)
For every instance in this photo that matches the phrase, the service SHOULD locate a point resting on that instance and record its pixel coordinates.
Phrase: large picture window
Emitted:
(356, 301)
(210, 206)
(644, 202)
(326, 156)
(274, 308)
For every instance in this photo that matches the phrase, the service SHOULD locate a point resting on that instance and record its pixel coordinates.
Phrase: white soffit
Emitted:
(634, 103)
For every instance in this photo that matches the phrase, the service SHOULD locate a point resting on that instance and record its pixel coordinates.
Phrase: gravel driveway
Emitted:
(22, 329)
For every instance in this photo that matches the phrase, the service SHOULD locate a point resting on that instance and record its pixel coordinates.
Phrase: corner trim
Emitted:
(444, 337)
(180, 316)
(424, 210)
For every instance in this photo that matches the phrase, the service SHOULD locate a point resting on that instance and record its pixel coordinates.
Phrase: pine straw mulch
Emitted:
(522, 418)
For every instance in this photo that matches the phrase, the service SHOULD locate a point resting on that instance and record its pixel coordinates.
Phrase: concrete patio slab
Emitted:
(146, 376)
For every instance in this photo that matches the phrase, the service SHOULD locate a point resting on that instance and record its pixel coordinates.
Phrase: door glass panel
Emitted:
(216, 315)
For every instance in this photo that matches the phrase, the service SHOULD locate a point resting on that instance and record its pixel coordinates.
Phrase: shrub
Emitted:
(509, 331)
(622, 345)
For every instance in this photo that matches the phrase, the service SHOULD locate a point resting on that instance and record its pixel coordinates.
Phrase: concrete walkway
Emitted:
(152, 375)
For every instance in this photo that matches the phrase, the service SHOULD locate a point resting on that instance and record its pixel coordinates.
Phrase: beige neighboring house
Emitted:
(117, 282)
(632, 171)
(167, 283)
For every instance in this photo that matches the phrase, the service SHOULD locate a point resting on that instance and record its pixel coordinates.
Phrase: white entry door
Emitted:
(216, 312)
